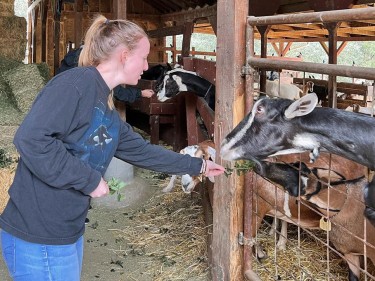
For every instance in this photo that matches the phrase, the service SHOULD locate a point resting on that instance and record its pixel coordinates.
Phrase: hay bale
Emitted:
(25, 82)
(14, 37)
(6, 9)
(9, 114)
(7, 64)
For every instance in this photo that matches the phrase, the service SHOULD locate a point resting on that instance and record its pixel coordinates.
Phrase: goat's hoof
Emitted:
(260, 253)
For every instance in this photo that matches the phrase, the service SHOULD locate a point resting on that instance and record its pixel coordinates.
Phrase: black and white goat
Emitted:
(180, 80)
(281, 126)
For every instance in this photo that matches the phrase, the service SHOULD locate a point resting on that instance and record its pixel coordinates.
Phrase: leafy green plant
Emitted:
(115, 185)
(241, 167)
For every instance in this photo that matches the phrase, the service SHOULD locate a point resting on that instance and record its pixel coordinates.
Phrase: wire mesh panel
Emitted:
(327, 235)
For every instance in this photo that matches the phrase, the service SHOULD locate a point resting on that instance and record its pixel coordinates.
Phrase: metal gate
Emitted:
(338, 233)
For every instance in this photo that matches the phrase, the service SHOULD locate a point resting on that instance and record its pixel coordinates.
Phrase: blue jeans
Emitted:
(35, 262)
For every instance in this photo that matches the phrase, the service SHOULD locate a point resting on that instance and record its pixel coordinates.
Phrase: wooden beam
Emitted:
(286, 49)
(317, 17)
(35, 15)
(263, 30)
(276, 48)
(227, 260)
(325, 47)
(43, 14)
(213, 21)
(191, 15)
(188, 30)
(78, 38)
(166, 31)
(119, 9)
(332, 59)
(320, 39)
(342, 47)
(56, 33)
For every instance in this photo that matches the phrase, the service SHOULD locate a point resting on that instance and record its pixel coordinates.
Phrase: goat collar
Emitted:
(347, 182)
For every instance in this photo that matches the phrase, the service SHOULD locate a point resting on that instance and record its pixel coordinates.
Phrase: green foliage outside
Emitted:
(361, 53)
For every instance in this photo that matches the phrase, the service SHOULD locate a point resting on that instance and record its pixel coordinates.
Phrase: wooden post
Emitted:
(227, 258)
(78, 7)
(119, 9)
(44, 10)
(34, 16)
(186, 40)
(56, 33)
(263, 30)
(332, 59)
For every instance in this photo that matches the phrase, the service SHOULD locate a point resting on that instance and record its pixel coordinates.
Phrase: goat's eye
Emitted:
(260, 109)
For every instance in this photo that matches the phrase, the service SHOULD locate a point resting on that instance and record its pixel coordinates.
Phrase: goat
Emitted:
(268, 196)
(287, 91)
(265, 191)
(180, 80)
(360, 109)
(280, 126)
(205, 150)
(343, 206)
(306, 88)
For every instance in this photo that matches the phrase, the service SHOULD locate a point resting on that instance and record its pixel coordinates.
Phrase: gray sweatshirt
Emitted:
(65, 144)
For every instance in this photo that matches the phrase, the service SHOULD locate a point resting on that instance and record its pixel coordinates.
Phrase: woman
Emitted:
(66, 143)
(128, 94)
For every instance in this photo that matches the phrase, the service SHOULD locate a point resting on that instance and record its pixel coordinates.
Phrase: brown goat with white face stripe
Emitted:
(344, 206)
(205, 150)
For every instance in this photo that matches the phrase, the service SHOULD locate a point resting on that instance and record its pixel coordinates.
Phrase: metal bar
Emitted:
(330, 69)
(315, 17)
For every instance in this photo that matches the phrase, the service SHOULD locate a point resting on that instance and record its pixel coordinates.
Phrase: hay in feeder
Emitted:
(306, 260)
(169, 232)
(25, 82)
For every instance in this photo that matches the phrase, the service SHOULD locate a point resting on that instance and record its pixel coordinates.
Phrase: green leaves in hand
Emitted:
(115, 185)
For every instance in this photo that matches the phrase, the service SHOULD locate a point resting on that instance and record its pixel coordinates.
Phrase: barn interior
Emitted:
(56, 27)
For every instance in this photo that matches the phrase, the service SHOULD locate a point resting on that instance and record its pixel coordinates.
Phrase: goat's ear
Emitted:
(302, 106)
(212, 152)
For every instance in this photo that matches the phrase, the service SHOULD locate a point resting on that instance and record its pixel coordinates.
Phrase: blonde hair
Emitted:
(103, 36)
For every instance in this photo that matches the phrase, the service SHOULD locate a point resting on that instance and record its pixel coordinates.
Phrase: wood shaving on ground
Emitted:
(170, 231)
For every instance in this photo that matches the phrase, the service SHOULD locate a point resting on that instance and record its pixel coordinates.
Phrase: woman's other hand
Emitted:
(101, 190)
(147, 93)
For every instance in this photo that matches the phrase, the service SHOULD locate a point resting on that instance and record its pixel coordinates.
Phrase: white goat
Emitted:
(287, 91)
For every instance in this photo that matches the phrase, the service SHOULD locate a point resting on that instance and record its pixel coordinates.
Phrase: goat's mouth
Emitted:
(230, 153)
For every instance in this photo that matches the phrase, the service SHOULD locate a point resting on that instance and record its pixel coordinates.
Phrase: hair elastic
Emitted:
(107, 21)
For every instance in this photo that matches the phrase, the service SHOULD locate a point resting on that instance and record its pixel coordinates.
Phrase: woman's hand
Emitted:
(147, 93)
(101, 190)
(212, 169)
